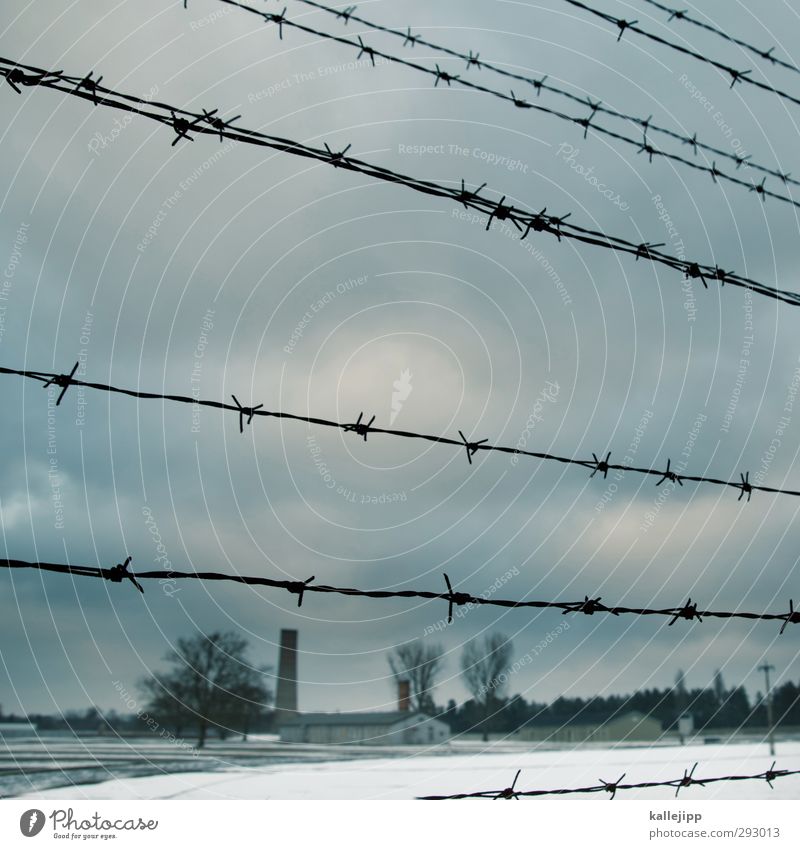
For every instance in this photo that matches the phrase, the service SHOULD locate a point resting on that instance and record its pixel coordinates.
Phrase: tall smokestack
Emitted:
(286, 696)
(403, 696)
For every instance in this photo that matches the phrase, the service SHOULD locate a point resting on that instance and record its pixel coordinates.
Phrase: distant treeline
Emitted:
(711, 708)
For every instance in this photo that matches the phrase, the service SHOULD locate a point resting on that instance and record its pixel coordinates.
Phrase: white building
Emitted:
(396, 728)
(16, 729)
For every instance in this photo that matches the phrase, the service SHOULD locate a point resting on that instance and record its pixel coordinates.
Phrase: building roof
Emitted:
(366, 718)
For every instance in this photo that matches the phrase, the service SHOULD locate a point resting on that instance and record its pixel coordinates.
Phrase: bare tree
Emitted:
(165, 701)
(484, 664)
(211, 683)
(419, 664)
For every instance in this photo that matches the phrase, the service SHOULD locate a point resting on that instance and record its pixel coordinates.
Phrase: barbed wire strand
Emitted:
(589, 606)
(642, 145)
(540, 84)
(362, 429)
(613, 787)
(683, 15)
(736, 76)
(183, 123)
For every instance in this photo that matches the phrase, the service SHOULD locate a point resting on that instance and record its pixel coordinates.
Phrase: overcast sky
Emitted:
(314, 290)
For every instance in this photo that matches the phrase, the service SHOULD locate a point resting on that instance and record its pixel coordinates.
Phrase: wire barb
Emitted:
(586, 123)
(612, 786)
(622, 24)
(298, 588)
(120, 573)
(600, 465)
(736, 76)
(745, 486)
(646, 147)
(452, 598)
(472, 447)
(669, 475)
(466, 198)
(62, 380)
(217, 123)
(589, 606)
(245, 411)
(509, 792)
(758, 188)
(792, 617)
(645, 249)
(336, 159)
(90, 85)
(17, 77)
(183, 126)
(502, 213)
(687, 781)
(370, 51)
(688, 612)
(556, 224)
(693, 271)
(538, 222)
(362, 429)
(346, 14)
(475, 62)
(279, 19)
(771, 774)
(444, 77)
(519, 102)
(410, 39)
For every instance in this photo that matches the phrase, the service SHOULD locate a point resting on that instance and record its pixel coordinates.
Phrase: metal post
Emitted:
(766, 668)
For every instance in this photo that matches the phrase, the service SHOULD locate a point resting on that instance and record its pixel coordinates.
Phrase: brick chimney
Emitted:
(286, 696)
(403, 696)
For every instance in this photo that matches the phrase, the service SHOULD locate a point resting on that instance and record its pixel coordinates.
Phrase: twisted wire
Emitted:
(613, 787)
(682, 15)
(642, 145)
(363, 429)
(589, 606)
(736, 76)
(184, 123)
(540, 84)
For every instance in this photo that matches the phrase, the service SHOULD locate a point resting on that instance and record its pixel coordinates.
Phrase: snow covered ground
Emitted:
(417, 775)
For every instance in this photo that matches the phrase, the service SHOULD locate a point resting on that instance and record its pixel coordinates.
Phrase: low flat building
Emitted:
(16, 729)
(395, 728)
(630, 727)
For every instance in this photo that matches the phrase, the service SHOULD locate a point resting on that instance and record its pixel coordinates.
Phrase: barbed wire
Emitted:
(613, 787)
(454, 599)
(736, 76)
(683, 15)
(540, 84)
(363, 428)
(642, 145)
(184, 123)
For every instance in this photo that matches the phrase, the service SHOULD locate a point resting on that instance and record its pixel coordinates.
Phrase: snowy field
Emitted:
(423, 774)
